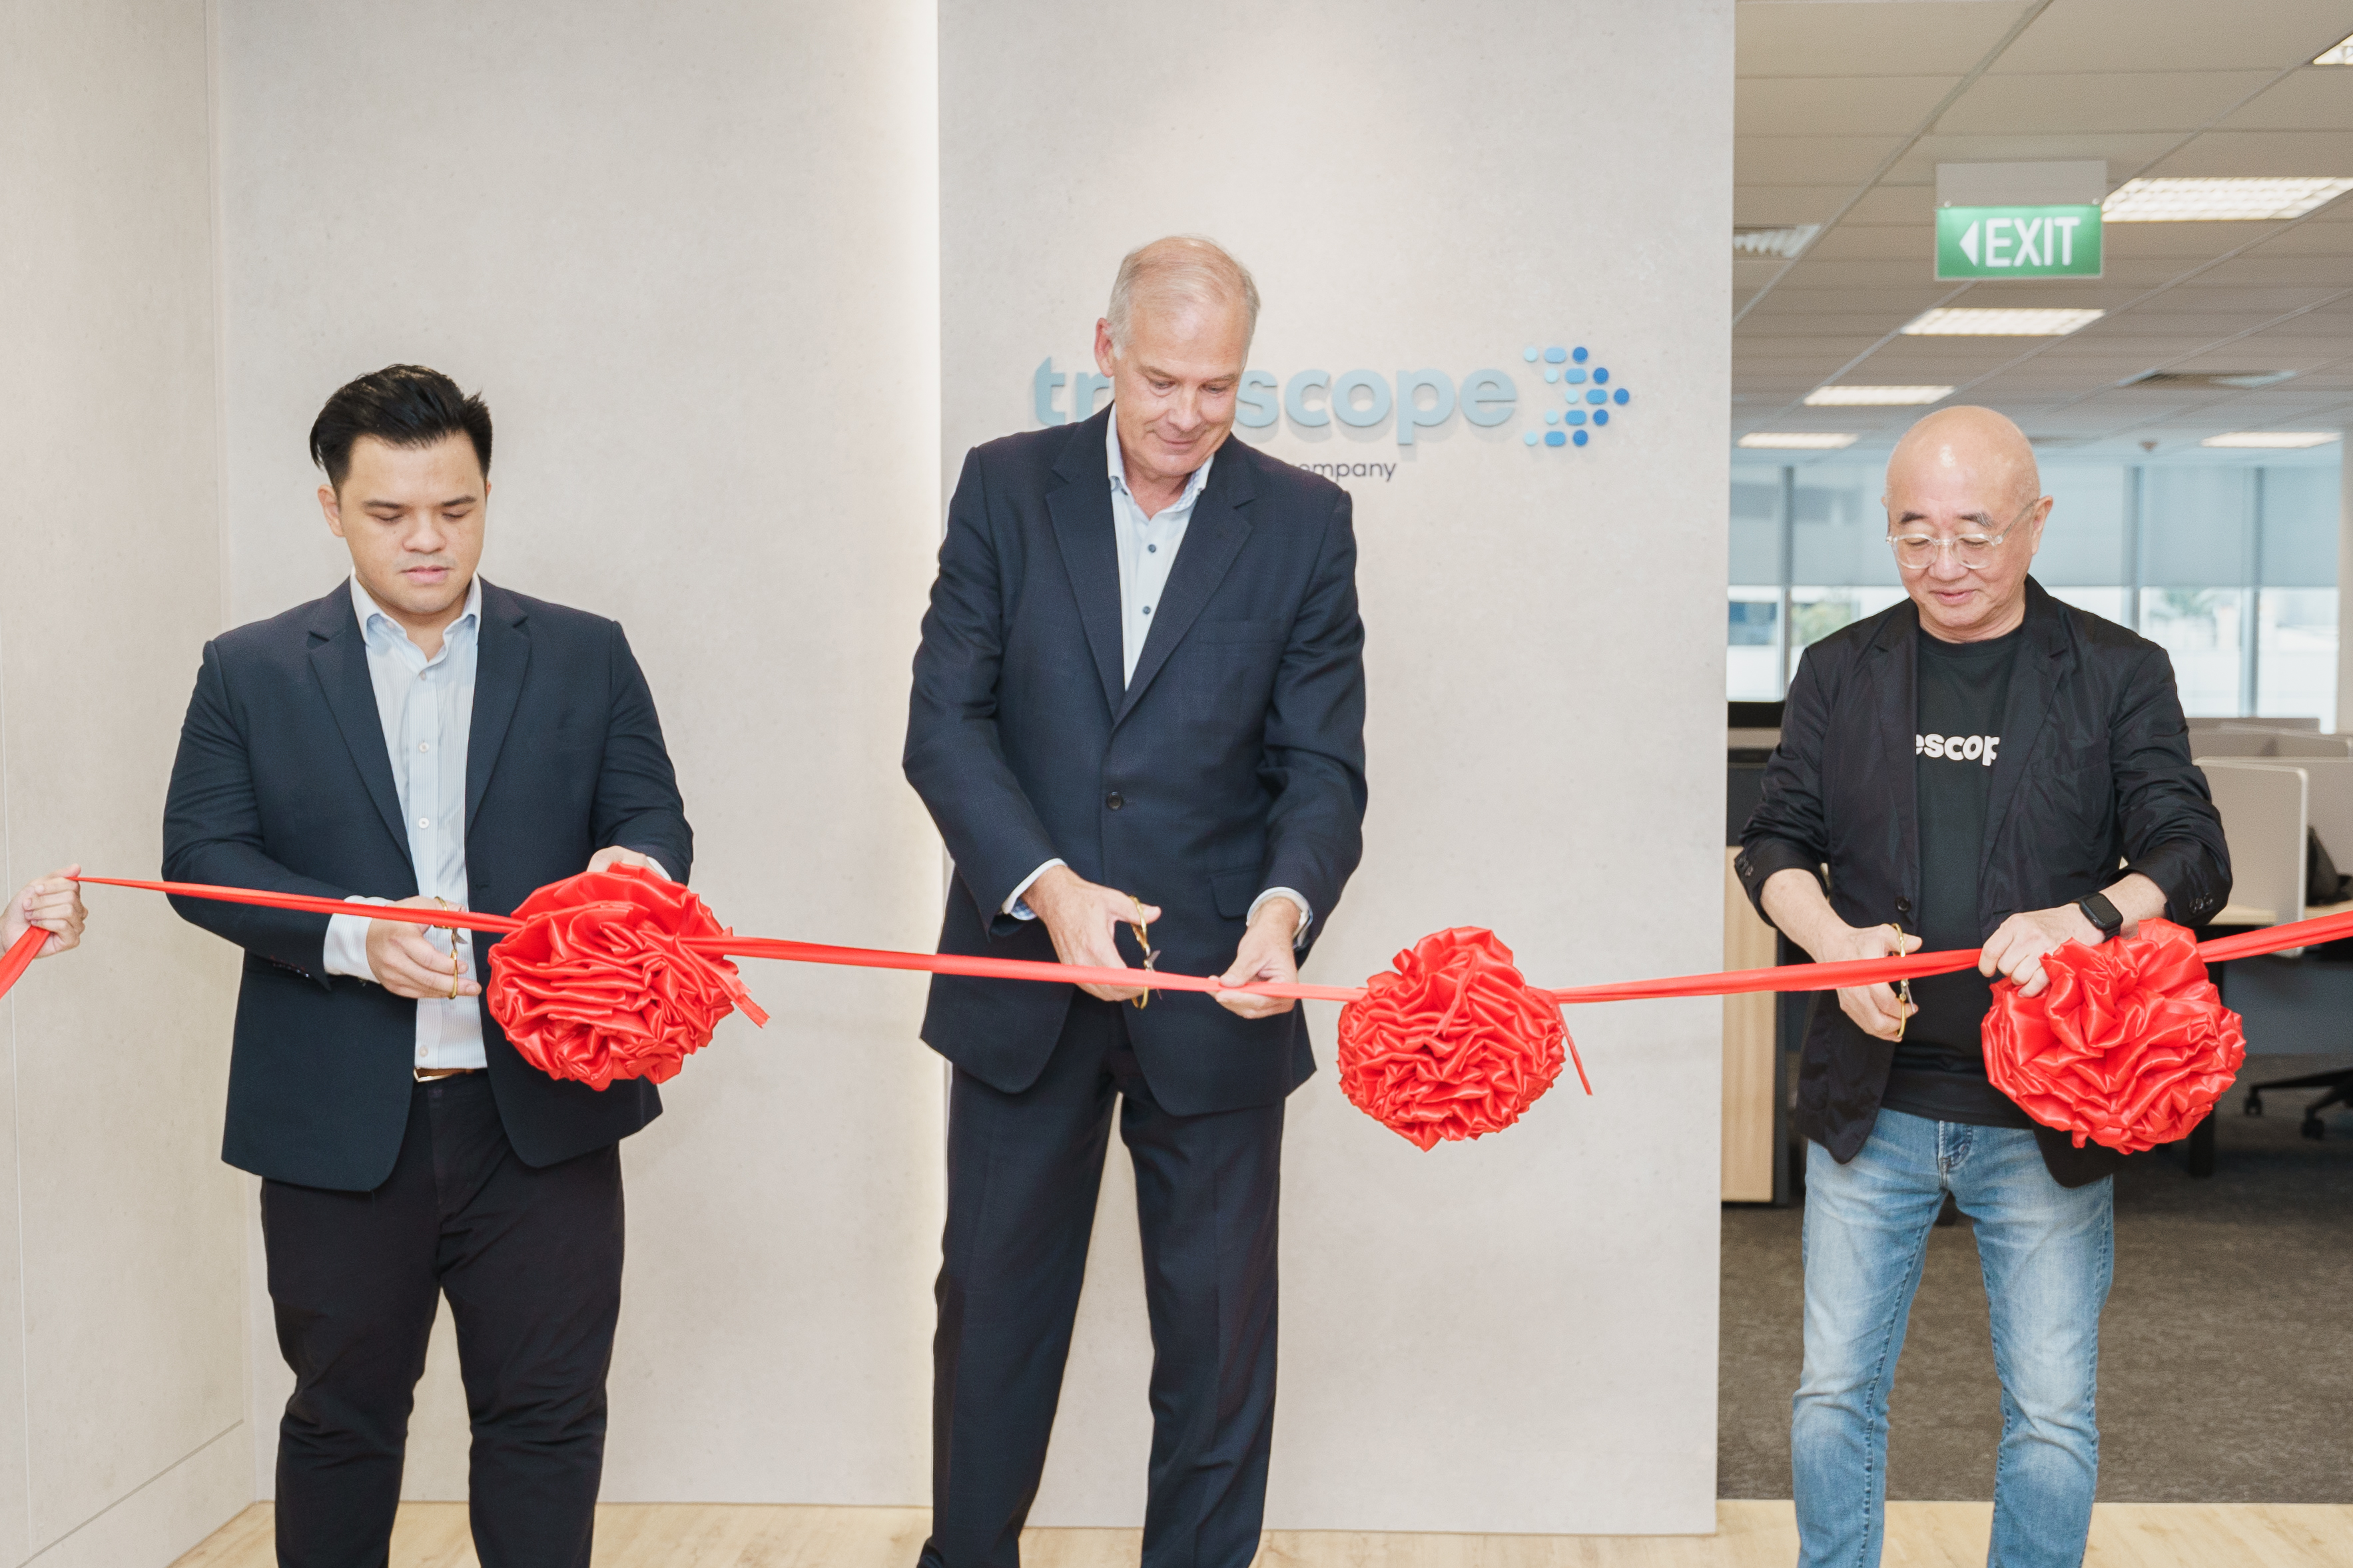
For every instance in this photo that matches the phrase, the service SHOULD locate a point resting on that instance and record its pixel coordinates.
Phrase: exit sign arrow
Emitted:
(2017, 242)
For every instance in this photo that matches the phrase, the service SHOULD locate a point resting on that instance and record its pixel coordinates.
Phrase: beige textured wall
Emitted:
(687, 253)
(121, 1375)
(1517, 1334)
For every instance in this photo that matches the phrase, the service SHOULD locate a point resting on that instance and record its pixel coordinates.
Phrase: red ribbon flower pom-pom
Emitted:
(2130, 1045)
(1452, 1043)
(598, 984)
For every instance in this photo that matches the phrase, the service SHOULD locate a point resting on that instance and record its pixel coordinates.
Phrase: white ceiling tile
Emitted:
(1884, 242)
(2275, 152)
(1807, 159)
(1925, 36)
(1844, 106)
(2097, 101)
(1762, 206)
(2317, 98)
(2124, 151)
(2175, 35)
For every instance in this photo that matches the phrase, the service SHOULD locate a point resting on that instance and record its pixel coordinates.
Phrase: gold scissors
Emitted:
(1903, 987)
(457, 964)
(1142, 928)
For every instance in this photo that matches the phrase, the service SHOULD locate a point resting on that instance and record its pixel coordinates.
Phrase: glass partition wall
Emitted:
(2232, 569)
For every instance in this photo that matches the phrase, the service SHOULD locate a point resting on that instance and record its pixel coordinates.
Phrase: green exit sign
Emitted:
(2017, 242)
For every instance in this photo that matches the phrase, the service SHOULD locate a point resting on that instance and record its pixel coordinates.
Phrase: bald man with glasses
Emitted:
(1980, 766)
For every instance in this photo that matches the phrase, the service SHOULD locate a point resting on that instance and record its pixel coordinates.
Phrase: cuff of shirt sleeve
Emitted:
(346, 952)
(1014, 905)
(1306, 915)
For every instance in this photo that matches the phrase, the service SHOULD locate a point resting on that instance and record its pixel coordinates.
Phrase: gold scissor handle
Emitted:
(1142, 928)
(1903, 987)
(457, 964)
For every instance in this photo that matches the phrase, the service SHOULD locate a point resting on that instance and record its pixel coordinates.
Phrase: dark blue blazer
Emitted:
(283, 782)
(1234, 762)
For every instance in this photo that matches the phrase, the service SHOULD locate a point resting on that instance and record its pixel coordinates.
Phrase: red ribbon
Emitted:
(2063, 1071)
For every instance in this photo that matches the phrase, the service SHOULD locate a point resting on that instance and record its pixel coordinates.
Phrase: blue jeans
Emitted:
(2047, 1253)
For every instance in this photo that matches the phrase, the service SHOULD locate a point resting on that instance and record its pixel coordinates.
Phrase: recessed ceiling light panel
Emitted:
(1787, 240)
(1961, 322)
(1799, 440)
(2220, 201)
(2273, 441)
(2342, 55)
(1876, 397)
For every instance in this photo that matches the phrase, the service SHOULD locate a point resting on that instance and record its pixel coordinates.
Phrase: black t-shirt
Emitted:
(1940, 1062)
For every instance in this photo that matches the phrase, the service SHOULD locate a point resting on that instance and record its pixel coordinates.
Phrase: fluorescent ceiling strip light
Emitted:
(2342, 55)
(2219, 200)
(2275, 440)
(1876, 397)
(1797, 440)
(1959, 321)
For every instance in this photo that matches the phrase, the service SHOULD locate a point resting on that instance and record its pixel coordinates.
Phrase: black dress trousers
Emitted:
(1024, 1171)
(530, 1260)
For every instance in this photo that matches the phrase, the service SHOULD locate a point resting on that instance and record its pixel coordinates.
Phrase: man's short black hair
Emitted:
(404, 406)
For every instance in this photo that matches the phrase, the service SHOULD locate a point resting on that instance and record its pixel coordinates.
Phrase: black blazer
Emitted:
(2095, 764)
(282, 781)
(1233, 763)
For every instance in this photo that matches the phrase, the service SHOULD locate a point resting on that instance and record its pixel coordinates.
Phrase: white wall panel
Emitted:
(687, 253)
(120, 1355)
(1517, 1334)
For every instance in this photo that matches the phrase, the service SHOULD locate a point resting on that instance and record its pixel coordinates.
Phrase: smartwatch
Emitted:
(2101, 913)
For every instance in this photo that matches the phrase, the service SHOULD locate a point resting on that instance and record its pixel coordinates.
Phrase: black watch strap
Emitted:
(2101, 913)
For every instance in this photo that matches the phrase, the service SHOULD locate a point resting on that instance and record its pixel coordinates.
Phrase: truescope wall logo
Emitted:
(1577, 401)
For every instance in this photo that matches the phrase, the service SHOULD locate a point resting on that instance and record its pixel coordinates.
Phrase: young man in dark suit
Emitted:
(418, 736)
(1140, 697)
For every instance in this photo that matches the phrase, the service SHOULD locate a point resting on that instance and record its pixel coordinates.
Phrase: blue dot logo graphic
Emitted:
(1586, 390)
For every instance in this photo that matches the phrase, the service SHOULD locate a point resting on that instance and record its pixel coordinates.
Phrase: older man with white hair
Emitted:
(1982, 765)
(1138, 709)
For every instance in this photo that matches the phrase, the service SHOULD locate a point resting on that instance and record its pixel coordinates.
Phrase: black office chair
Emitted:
(2338, 1083)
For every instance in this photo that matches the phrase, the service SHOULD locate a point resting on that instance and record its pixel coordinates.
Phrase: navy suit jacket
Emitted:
(1232, 762)
(283, 782)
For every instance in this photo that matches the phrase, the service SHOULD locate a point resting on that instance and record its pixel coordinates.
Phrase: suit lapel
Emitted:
(1080, 508)
(1896, 653)
(2043, 661)
(1212, 540)
(500, 660)
(339, 658)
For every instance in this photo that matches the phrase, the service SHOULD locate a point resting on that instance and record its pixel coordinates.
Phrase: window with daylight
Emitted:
(2232, 568)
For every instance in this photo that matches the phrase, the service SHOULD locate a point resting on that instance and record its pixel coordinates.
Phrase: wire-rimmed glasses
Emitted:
(1918, 551)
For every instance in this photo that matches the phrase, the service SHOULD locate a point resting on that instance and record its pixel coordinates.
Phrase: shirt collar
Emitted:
(1118, 462)
(369, 611)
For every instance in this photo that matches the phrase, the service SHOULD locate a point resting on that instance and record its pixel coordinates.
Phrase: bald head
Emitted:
(1964, 499)
(1180, 275)
(1970, 440)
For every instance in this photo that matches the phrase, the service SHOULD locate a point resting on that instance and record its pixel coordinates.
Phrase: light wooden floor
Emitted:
(1749, 1535)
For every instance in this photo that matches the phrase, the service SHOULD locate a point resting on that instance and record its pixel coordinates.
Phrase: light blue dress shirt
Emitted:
(1148, 551)
(427, 706)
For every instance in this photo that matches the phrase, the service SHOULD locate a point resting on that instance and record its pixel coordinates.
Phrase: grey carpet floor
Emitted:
(2226, 1353)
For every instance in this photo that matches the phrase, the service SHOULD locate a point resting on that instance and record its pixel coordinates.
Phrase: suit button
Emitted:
(1903, 905)
(1113, 801)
